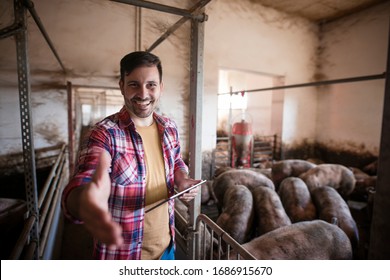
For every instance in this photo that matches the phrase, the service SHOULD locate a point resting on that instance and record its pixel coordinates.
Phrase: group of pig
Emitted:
(297, 210)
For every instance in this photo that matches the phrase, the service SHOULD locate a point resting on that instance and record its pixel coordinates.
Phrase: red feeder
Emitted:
(241, 140)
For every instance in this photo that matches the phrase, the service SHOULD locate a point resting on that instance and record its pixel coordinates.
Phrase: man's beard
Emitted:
(142, 108)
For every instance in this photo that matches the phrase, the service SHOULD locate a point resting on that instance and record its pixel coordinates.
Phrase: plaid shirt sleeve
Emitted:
(90, 150)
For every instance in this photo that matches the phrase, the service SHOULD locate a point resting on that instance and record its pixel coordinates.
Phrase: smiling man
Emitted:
(129, 163)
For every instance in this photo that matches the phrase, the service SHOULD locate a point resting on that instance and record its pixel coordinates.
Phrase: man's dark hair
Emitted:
(139, 59)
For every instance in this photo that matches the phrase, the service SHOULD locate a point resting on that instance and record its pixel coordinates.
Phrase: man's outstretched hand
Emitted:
(92, 205)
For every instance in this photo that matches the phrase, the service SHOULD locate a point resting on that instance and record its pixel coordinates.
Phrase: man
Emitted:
(130, 162)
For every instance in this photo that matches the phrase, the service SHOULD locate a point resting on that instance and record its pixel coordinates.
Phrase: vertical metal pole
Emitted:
(26, 120)
(138, 28)
(196, 97)
(230, 124)
(71, 127)
(380, 226)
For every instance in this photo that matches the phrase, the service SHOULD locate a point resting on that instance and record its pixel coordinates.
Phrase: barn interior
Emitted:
(249, 83)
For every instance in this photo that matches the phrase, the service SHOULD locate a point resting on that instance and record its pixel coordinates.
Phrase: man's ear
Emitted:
(161, 87)
(121, 86)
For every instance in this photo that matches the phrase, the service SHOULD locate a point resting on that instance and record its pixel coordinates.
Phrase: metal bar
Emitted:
(30, 250)
(30, 6)
(380, 226)
(222, 235)
(48, 225)
(138, 28)
(71, 128)
(195, 121)
(26, 120)
(319, 83)
(161, 8)
(10, 30)
(22, 240)
(48, 181)
(195, 9)
(94, 87)
(171, 30)
(46, 208)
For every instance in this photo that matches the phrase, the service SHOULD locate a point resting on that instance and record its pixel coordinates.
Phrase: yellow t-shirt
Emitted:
(156, 224)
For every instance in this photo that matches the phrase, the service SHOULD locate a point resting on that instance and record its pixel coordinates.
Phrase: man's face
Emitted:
(141, 90)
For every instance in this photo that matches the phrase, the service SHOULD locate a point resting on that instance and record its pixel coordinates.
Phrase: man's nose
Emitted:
(144, 91)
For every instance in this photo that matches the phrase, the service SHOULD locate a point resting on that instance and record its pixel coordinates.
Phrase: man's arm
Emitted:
(89, 204)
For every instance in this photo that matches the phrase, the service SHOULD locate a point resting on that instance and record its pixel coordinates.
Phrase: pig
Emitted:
(246, 177)
(336, 176)
(269, 211)
(296, 200)
(372, 168)
(221, 170)
(237, 213)
(330, 204)
(358, 173)
(289, 168)
(205, 194)
(364, 182)
(308, 240)
(265, 171)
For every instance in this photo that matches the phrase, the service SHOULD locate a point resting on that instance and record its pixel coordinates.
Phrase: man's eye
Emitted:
(151, 85)
(133, 85)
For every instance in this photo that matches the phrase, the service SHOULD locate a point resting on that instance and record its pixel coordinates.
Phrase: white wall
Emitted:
(350, 115)
(246, 36)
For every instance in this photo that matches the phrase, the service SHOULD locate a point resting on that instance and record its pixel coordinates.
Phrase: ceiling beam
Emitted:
(160, 7)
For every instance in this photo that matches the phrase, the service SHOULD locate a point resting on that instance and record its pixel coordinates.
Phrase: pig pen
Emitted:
(210, 237)
(16, 220)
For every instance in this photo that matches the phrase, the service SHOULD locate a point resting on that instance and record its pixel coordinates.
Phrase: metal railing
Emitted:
(49, 198)
(213, 242)
(210, 241)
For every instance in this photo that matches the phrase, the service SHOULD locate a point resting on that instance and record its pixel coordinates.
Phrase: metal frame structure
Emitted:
(19, 30)
(26, 123)
(312, 84)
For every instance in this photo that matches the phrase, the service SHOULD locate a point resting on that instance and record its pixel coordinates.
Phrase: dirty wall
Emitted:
(349, 116)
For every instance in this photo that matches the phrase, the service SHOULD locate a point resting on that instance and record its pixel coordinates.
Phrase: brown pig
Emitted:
(308, 240)
(246, 177)
(269, 211)
(237, 213)
(221, 170)
(336, 176)
(331, 205)
(363, 187)
(296, 200)
(289, 168)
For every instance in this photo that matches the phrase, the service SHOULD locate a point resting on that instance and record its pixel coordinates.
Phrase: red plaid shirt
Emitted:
(117, 135)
